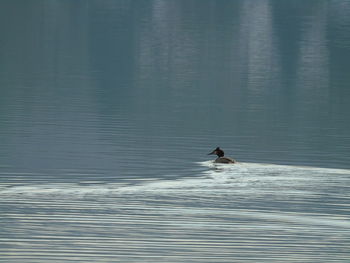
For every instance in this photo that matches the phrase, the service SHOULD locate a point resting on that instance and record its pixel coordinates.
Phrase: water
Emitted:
(108, 109)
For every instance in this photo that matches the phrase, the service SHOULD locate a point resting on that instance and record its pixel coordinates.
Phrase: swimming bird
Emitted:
(221, 159)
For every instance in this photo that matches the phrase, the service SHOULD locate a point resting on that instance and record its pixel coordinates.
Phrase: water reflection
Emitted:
(235, 212)
(109, 107)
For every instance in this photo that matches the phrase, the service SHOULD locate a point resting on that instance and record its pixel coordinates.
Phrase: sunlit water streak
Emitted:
(243, 212)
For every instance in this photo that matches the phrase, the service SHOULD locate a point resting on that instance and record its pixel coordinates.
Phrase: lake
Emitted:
(108, 111)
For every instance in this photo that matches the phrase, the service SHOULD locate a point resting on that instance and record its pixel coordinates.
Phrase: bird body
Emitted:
(224, 160)
(221, 159)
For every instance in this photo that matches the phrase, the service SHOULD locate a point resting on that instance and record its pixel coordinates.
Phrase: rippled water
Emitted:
(109, 108)
(240, 213)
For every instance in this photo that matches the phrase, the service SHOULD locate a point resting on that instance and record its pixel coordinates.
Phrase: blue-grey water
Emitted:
(109, 108)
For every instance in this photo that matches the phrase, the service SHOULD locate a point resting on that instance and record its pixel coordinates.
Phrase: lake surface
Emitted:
(108, 110)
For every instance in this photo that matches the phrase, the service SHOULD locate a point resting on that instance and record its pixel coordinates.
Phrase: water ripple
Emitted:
(247, 212)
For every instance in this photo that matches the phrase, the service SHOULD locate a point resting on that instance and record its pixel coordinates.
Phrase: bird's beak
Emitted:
(213, 152)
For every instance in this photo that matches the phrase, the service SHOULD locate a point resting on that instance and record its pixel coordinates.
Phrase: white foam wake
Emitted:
(243, 178)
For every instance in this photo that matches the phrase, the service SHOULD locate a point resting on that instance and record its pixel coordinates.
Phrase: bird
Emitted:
(221, 159)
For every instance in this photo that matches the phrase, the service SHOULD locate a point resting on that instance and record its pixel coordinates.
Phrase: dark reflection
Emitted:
(134, 88)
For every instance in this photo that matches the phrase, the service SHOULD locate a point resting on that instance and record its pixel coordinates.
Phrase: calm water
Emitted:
(109, 108)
